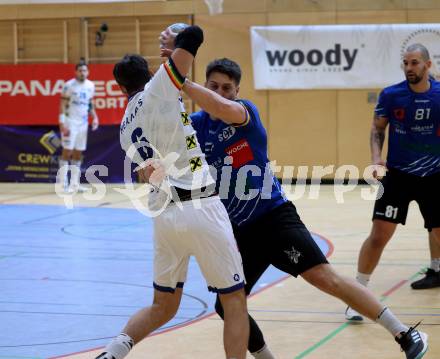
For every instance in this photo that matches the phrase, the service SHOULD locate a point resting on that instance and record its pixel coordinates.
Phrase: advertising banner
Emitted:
(337, 56)
(30, 94)
(31, 153)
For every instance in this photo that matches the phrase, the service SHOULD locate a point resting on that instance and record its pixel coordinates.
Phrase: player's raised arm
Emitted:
(228, 111)
(186, 44)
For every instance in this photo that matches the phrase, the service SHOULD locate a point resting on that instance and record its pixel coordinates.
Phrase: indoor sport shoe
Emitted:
(77, 189)
(352, 315)
(430, 280)
(413, 343)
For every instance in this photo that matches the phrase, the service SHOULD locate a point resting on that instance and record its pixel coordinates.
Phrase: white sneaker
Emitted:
(77, 189)
(352, 315)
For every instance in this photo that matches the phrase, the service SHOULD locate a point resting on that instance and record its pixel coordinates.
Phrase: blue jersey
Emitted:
(414, 131)
(247, 185)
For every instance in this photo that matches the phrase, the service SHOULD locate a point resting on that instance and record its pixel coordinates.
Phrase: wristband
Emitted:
(62, 118)
(189, 39)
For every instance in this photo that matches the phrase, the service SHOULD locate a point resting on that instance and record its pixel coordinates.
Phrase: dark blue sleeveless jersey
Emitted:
(414, 128)
(247, 186)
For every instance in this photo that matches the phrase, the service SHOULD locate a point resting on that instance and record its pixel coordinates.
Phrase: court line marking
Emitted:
(181, 325)
(208, 315)
(332, 334)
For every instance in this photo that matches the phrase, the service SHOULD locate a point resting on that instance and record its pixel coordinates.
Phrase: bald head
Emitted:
(419, 48)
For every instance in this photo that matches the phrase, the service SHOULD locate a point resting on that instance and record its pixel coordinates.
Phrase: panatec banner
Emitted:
(30, 94)
(337, 56)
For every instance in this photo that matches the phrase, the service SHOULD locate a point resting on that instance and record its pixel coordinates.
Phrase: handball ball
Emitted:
(177, 27)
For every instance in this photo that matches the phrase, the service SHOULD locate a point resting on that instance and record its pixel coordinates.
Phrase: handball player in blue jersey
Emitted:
(412, 110)
(266, 225)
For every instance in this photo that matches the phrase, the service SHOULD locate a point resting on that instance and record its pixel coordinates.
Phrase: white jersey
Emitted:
(80, 95)
(155, 118)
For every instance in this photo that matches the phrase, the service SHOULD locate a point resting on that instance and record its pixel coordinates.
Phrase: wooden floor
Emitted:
(299, 321)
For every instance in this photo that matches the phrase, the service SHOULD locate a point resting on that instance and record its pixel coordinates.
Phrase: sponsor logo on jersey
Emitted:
(195, 163)
(399, 114)
(191, 142)
(226, 133)
(185, 119)
(240, 152)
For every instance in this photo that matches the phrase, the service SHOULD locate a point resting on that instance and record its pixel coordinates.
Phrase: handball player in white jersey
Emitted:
(75, 107)
(156, 132)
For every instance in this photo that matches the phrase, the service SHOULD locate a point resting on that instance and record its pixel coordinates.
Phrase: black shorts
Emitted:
(400, 188)
(278, 238)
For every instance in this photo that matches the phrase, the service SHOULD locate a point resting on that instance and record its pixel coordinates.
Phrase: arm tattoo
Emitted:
(378, 137)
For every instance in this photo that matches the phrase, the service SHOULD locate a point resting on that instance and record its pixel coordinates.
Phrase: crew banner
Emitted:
(337, 56)
(31, 154)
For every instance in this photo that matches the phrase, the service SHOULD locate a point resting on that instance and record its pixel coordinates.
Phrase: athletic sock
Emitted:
(62, 172)
(263, 353)
(76, 173)
(435, 264)
(389, 321)
(363, 278)
(120, 346)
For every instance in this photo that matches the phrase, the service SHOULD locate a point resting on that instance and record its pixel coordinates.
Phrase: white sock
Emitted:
(389, 321)
(435, 264)
(263, 353)
(76, 173)
(363, 278)
(120, 346)
(62, 172)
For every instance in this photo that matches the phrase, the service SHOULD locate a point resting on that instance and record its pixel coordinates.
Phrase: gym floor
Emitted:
(72, 277)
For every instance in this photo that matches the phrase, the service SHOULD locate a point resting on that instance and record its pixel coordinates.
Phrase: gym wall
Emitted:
(327, 127)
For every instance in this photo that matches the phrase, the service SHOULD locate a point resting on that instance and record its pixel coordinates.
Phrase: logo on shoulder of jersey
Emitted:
(191, 142)
(399, 113)
(240, 152)
(185, 118)
(226, 133)
(195, 163)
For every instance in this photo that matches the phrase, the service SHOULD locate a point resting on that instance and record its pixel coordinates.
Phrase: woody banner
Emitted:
(337, 56)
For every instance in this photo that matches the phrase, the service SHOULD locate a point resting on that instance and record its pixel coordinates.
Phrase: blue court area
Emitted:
(70, 279)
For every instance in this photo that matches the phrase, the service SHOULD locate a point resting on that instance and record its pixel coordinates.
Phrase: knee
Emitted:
(324, 278)
(233, 303)
(165, 311)
(378, 239)
(381, 233)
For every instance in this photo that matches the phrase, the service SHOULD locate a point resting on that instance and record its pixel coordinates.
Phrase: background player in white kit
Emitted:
(75, 107)
(156, 129)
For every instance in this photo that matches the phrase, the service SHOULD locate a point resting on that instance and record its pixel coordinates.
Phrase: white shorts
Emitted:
(77, 138)
(206, 233)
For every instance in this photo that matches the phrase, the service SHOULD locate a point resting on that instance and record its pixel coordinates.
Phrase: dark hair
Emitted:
(419, 47)
(225, 66)
(82, 62)
(132, 72)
